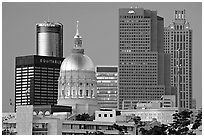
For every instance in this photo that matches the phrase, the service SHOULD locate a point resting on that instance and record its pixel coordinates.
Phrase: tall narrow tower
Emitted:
(178, 42)
(144, 74)
(49, 39)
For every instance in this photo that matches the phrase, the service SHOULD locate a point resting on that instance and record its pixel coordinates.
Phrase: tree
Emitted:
(83, 117)
(180, 123)
(138, 123)
(155, 130)
(197, 122)
(122, 129)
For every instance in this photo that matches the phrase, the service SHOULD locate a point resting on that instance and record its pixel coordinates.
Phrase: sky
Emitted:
(98, 26)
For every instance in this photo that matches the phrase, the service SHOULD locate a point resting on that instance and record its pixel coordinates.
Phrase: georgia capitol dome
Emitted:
(77, 80)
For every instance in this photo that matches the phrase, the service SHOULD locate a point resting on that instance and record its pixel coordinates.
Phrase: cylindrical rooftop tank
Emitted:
(49, 39)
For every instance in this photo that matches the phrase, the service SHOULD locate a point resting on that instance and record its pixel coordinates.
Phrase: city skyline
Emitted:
(105, 21)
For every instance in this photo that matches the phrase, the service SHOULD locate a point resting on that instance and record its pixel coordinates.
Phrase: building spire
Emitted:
(77, 38)
(77, 29)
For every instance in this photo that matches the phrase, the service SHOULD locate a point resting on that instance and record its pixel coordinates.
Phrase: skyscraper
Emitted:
(36, 80)
(49, 39)
(36, 76)
(107, 86)
(178, 42)
(144, 72)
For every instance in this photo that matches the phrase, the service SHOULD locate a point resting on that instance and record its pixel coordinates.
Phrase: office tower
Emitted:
(49, 39)
(107, 86)
(144, 74)
(36, 80)
(178, 42)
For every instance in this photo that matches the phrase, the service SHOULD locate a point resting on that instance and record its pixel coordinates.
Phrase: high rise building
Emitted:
(36, 76)
(107, 86)
(178, 43)
(144, 72)
(36, 80)
(49, 39)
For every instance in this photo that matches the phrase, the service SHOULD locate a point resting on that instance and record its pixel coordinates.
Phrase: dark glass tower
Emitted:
(36, 80)
(144, 73)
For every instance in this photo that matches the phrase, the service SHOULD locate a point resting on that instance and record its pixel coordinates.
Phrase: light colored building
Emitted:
(144, 72)
(168, 101)
(163, 115)
(107, 86)
(77, 81)
(193, 103)
(178, 43)
(26, 123)
(85, 127)
(164, 102)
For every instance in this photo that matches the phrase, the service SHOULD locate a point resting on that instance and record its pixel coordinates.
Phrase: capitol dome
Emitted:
(77, 81)
(77, 61)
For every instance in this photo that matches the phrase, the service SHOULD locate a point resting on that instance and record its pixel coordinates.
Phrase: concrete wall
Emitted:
(54, 125)
(24, 120)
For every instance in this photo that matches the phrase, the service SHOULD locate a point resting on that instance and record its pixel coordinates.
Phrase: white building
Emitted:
(163, 115)
(77, 81)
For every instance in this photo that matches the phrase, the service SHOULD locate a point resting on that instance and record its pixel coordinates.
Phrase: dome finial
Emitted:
(77, 38)
(77, 29)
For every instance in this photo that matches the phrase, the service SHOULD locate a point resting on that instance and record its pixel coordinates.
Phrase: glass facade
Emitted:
(36, 80)
(107, 88)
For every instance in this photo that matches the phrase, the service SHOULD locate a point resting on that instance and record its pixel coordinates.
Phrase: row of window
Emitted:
(143, 20)
(105, 115)
(81, 93)
(134, 33)
(135, 27)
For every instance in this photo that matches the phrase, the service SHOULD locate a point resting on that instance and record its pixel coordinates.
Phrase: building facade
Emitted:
(36, 80)
(178, 43)
(107, 86)
(49, 39)
(163, 115)
(144, 72)
(50, 125)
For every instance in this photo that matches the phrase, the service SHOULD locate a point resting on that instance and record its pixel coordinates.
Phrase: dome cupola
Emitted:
(77, 60)
(77, 80)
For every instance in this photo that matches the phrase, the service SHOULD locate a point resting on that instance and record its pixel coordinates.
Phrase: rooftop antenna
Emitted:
(48, 14)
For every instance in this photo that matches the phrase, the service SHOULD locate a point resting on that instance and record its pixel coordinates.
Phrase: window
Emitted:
(80, 92)
(111, 115)
(91, 92)
(87, 93)
(105, 115)
(99, 115)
